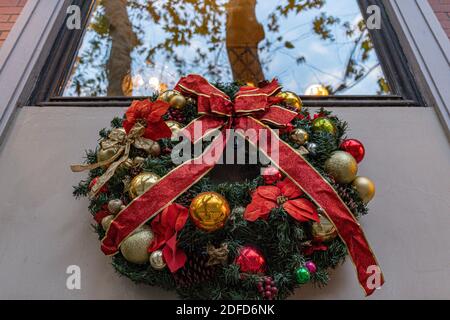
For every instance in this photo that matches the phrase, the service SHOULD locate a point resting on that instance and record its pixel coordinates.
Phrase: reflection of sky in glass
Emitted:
(325, 60)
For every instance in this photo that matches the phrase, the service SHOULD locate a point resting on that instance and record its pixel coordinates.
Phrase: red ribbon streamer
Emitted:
(252, 108)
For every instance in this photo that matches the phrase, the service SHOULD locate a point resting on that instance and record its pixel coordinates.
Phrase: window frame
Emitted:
(51, 81)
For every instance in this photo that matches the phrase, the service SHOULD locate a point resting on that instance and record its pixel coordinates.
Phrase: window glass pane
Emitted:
(137, 47)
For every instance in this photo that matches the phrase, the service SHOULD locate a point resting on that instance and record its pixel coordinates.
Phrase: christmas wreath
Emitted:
(169, 224)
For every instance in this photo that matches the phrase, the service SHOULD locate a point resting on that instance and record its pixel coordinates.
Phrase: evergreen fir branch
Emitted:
(279, 238)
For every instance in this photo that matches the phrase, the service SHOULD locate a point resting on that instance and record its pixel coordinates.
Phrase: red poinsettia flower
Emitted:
(284, 194)
(150, 113)
(301, 116)
(165, 228)
(319, 115)
(287, 129)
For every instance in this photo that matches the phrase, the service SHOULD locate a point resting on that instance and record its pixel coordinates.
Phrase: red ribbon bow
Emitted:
(252, 108)
(165, 228)
(285, 194)
(218, 110)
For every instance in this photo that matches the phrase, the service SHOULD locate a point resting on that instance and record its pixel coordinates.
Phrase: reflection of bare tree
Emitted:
(248, 45)
(123, 41)
(243, 35)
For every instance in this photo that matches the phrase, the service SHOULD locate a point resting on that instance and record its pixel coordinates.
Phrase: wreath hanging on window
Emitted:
(168, 224)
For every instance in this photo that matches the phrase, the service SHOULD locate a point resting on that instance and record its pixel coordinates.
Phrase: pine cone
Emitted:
(195, 271)
(343, 193)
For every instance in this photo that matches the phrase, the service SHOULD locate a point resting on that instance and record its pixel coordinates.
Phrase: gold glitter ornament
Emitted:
(342, 167)
(135, 247)
(106, 221)
(114, 206)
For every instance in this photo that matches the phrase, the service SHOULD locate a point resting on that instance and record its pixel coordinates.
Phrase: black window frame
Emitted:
(51, 81)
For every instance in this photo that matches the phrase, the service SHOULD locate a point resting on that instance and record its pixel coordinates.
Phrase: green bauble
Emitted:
(302, 275)
(324, 125)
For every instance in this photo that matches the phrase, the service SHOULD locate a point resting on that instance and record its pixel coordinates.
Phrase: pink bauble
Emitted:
(311, 266)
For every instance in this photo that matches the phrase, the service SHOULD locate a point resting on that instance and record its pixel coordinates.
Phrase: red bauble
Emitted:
(251, 260)
(271, 175)
(104, 189)
(355, 148)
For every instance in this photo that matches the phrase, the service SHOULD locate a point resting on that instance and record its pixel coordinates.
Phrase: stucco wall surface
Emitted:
(43, 229)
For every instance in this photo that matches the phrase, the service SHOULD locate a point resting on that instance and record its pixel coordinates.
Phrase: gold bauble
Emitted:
(115, 205)
(178, 101)
(342, 167)
(324, 125)
(317, 90)
(175, 127)
(365, 188)
(155, 149)
(323, 230)
(135, 248)
(209, 211)
(167, 95)
(106, 221)
(299, 136)
(106, 154)
(291, 99)
(141, 183)
(174, 98)
(157, 260)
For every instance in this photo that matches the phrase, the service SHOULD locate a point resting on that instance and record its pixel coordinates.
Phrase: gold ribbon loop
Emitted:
(116, 138)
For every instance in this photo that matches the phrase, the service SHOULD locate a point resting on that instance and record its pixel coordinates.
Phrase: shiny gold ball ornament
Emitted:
(299, 136)
(178, 101)
(317, 90)
(157, 260)
(114, 206)
(324, 125)
(106, 221)
(106, 154)
(167, 95)
(324, 230)
(135, 248)
(175, 127)
(155, 149)
(209, 211)
(365, 188)
(141, 183)
(174, 98)
(291, 99)
(342, 167)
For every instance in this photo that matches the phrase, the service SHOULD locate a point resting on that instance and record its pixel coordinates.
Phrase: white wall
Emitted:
(43, 229)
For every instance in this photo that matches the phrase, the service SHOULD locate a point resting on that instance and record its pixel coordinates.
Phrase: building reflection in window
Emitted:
(138, 47)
